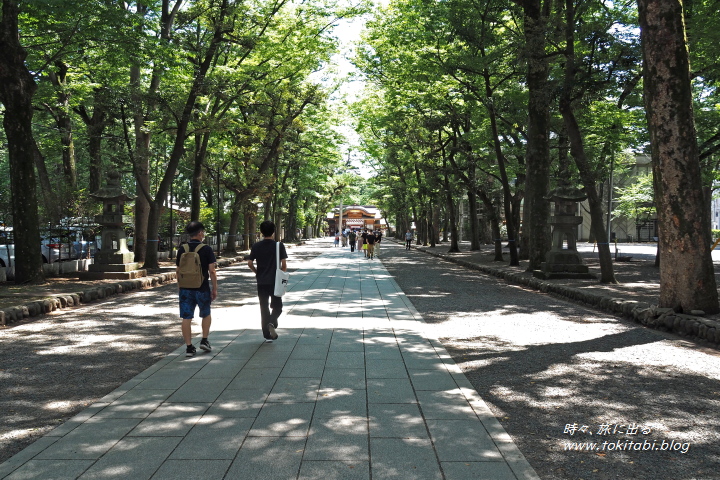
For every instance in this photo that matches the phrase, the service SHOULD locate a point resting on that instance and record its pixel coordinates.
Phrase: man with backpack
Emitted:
(195, 268)
(265, 252)
(352, 238)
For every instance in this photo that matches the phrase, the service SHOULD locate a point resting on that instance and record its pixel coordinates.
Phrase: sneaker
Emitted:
(205, 345)
(273, 333)
(268, 340)
(190, 351)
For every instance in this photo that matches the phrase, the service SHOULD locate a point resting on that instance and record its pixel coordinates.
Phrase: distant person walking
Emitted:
(378, 239)
(201, 296)
(352, 237)
(264, 253)
(337, 239)
(408, 239)
(370, 240)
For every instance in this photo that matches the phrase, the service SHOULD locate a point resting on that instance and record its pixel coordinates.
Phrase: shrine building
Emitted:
(356, 217)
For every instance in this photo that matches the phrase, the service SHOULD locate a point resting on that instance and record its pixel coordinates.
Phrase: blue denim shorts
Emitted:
(189, 299)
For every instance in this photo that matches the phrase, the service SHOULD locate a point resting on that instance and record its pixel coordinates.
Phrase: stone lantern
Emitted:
(561, 262)
(113, 260)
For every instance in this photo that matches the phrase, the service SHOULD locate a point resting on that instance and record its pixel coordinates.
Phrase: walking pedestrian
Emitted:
(264, 253)
(337, 239)
(378, 239)
(408, 239)
(370, 240)
(352, 237)
(359, 241)
(202, 296)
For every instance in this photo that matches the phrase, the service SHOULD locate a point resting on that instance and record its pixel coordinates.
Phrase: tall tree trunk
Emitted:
(536, 214)
(251, 211)
(494, 220)
(474, 225)
(96, 125)
(151, 260)
(143, 135)
(512, 227)
(142, 187)
(201, 144)
(454, 245)
(50, 199)
(446, 227)
(61, 113)
(687, 280)
(234, 226)
(17, 88)
(433, 221)
(291, 223)
(577, 149)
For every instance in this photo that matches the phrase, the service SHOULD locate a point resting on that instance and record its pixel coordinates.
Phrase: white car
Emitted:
(52, 249)
(7, 255)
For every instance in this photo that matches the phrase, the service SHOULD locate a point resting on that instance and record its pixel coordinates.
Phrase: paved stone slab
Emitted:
(90, 440)
(390, 390)
(352, 389)
(396, 421)
(340, 378)
(401, 458)
(477, 471)
(213, 438)
(136, 458)
(205, 469)
(339, 402)
(268, 458)
(34, 469)
(324, 470)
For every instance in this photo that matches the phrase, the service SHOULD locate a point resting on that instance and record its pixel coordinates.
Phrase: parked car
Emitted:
(7, 249)
(7, 255)
(66, 244)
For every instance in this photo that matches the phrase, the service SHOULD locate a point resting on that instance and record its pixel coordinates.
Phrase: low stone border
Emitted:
(66, 300)
(666, 319)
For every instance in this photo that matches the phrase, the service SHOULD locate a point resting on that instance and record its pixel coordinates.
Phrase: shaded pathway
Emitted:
(354, 388)
(542, 363)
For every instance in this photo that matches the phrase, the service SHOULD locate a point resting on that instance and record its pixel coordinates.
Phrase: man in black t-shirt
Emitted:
(352, 238)
(370, 240)
(200, 297)
(265, 254)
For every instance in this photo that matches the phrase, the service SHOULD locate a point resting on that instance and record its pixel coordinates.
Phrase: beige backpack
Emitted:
(190, 268)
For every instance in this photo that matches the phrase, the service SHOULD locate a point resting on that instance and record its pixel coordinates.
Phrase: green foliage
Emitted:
(114, 72)
(636, 201)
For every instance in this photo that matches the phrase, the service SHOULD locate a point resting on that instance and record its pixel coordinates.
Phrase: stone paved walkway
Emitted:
(354, 388)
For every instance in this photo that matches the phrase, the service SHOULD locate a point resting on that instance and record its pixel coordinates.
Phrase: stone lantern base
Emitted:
(564, 262)
(117, 271)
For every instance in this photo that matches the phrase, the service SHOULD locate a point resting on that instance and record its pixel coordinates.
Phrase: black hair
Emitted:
(194, 227)
(267, 228)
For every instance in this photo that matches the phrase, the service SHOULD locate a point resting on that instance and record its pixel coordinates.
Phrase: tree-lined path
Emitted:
(542, 364)
(353, 388)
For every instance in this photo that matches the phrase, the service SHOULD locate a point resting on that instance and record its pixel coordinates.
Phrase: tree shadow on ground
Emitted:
(542, 364)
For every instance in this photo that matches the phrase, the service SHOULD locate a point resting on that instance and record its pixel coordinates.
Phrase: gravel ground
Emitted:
(546, 367)
(54, 366)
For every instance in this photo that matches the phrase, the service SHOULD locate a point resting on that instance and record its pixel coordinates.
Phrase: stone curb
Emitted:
(35, 308)
(665, 319)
